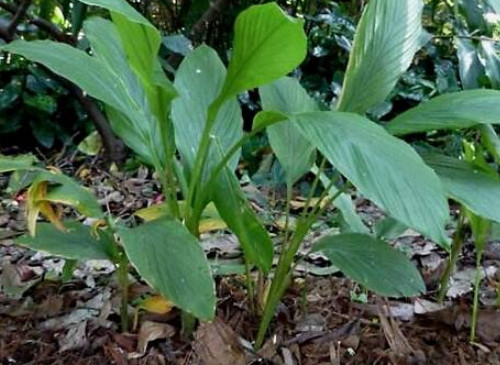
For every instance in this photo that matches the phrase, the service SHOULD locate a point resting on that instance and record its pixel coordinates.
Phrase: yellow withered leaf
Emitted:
(51, 215)
(157, 304)
(211, 224)
(153, 212)
(36, 205)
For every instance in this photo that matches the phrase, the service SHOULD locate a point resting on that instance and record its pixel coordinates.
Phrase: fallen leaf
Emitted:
(152, 331)
(76, 338)
(217, 344)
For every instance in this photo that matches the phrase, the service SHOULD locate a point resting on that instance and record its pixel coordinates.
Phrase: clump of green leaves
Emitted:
(198, 118)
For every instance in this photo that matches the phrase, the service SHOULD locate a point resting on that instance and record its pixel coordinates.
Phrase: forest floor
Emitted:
(323, 319)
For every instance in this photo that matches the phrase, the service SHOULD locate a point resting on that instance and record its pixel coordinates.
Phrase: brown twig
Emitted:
(113, 146)
(8, 32)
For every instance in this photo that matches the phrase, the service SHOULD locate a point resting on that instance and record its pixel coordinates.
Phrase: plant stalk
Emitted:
(456, 249)
(284, 272)
(123, 282)
(475, 306)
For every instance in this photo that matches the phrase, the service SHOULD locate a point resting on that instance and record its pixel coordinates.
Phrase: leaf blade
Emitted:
(386, 40)
(373, 263)
(171, 260)
(384, 169)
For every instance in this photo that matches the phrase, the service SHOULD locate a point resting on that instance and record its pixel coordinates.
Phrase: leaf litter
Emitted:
(54, 322)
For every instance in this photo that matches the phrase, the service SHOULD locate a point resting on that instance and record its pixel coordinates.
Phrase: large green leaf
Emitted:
(199, 80)
(109, 82)
(141, 42)
(234, 208)
(294, 152)
(384, 169)
(386, 40)
(470, 66)
(463, 109)
(73, 65)
(268, 44)
(172, 261)
(468, 184)
(141, 39)
(373, 263)
(77, 243)
(491, 63)
(15, 163)
(142, 130)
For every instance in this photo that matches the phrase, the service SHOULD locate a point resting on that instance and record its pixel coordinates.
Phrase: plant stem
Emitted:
(456, 249)
(250, 287)
(123, 282)
(188, 323)
(199, 165)
(223, 163)
(314, 185)
(283, 273)
(497, 302)
(477, 281)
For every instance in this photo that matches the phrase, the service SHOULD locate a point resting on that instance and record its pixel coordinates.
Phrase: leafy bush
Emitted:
(197, 117)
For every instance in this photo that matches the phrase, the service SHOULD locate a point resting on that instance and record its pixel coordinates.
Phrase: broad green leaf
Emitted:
(234, 208)
(468, 184)
(383, 168)
(491, 63)
(199, 80)
(142, 132)
(293, 151)
(373, 263)
(470, 66)
(73, 65)
(140, 38)
(490, 140)
(458, 110)
(385, 42)
(268, 44)
(77, 243)
(15, 163)
(172, 261)
(141, 42)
